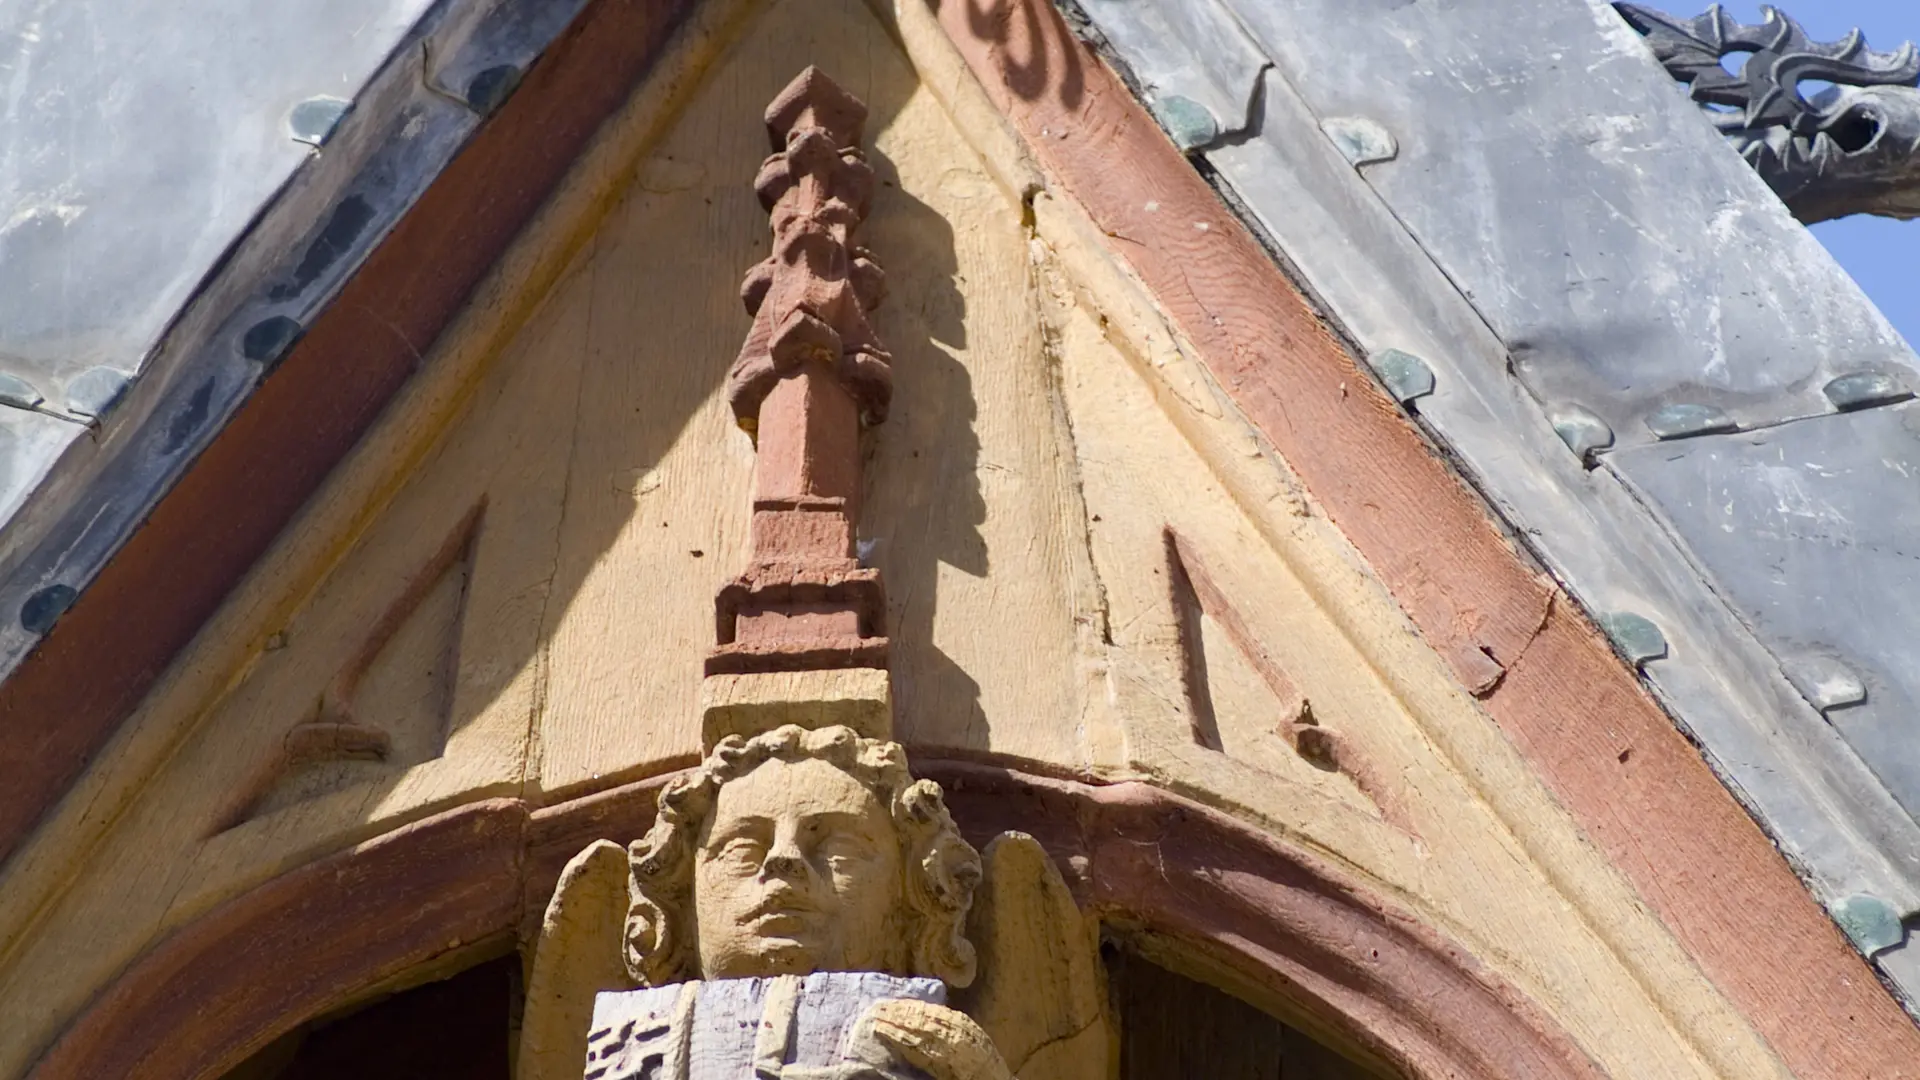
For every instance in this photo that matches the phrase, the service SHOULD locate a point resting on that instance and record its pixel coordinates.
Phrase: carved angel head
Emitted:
(798, 851)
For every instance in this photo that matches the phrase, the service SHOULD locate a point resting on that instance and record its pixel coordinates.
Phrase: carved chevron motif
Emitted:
(1197, 597)
(388, 706)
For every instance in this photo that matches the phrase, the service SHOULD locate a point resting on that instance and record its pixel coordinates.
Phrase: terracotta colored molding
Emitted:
(1545, 674)
(1139, 856)
(810, 374)
(259, 965)
(85, 677)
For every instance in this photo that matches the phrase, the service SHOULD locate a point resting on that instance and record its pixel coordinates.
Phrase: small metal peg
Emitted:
(18, 392)
(1864, 389)
(95, 391)
(268, 340)
(1190, 124)
(1362, 141)
(45, 607)
(1826, 683)
(313, 120)
(1869, 922)
(1581, 429)
(1687, 420)
(1635, 636)
(1406, 376)
(491, 88)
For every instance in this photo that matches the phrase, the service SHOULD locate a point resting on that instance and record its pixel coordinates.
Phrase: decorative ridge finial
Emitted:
(810, 375)
(1832, 127)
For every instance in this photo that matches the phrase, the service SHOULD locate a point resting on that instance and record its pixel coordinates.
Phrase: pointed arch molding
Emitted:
(1273, 919)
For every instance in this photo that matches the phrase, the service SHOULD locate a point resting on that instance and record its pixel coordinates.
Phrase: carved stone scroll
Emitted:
(809, 377)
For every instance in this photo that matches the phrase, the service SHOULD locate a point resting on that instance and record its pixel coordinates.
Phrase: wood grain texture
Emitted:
(173, 850)
(457, 1027)
(1260, 338)
(311, 940)
(388, 707)
(1175, 1026)
(616, 492)
(68, 696)
(968, 510)
(1661, 817)
(608, 461)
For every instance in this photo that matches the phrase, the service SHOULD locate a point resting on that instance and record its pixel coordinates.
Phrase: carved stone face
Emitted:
(798, 870)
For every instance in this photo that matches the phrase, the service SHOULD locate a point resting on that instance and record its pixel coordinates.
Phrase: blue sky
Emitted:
(1882, 255)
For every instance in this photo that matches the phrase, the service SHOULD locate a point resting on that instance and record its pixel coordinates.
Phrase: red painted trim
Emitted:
(258, 966)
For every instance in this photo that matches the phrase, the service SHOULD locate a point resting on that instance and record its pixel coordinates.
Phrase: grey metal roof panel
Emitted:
(30, 442)
(1537, 222)
(137, 144)
(1655, 274)
(1781, 756)
(1803, 529)
(1515, 195)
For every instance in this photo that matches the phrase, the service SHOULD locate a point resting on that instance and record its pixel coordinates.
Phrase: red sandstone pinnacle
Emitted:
(810, 296)
(810, 375)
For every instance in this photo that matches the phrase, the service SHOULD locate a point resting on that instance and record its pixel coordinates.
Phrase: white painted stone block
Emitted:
(792, 1028)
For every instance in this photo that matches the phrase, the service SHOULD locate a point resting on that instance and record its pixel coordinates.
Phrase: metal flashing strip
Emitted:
(1556, 327)
(139, 143)
(314, 139)
(1766, 512)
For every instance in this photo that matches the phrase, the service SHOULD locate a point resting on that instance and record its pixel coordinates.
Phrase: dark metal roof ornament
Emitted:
(1849, 148)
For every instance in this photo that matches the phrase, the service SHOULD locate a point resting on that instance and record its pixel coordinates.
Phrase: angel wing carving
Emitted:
(1041, 993)
(579, 953)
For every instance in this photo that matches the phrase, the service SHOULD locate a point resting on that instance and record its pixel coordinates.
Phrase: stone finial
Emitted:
(810, 375)
(809, 298)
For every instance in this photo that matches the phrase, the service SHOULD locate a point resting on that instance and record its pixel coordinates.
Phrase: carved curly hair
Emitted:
(940, 867)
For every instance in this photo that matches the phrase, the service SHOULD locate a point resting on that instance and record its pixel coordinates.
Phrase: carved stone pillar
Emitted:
(809, 378)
